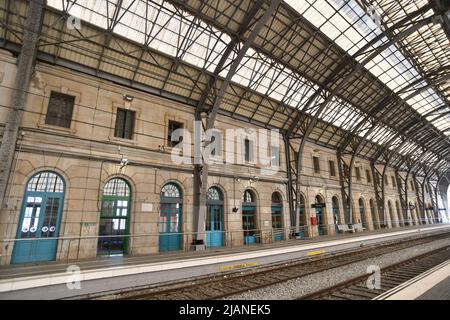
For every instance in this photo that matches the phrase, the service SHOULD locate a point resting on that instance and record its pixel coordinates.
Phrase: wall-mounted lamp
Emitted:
(124, 162)
(128, 98)
(254, 179)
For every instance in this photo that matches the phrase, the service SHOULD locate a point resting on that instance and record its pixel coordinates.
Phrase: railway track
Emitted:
(217, 287)
(391, 277)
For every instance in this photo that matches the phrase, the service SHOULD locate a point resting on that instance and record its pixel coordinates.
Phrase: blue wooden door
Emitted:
(214, 226)
(276, 223)
(170, 227)
(336, 218)
(249, 224)
(38, 227)
(321, 227)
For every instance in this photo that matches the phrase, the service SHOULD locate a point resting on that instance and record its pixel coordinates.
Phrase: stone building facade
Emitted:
(88, 154)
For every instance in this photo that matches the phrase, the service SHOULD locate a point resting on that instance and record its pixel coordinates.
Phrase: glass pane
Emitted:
(170, 190)
(31, 217)
(129, 124)
(108, 208)
(214, 194)
(50, 219)
(116, 187)
(163, 218)
(174, 218)
(46, 182)
(120, 119)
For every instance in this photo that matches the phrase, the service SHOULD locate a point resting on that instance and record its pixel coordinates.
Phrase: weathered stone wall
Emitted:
(87, 155)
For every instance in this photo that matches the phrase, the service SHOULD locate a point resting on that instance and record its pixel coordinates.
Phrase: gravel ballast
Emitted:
(296, 288)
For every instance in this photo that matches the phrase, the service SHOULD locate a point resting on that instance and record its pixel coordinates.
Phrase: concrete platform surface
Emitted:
(52, 281)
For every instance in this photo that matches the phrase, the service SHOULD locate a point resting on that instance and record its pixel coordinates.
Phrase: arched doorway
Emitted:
(373, 213)
(391, 213)
(170, 218)
(303, 222)
(214, 218)
(335, 204)
(249, 217)
(320, 215)
(362, 212)
(40, 218)
(402, 219)
(277, 210)
(417, 214)
(114, 218)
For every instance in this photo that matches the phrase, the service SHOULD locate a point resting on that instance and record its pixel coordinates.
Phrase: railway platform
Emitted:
(53, 281)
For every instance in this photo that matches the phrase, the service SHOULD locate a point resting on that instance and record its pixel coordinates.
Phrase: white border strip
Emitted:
(20, 283)
(414, 288)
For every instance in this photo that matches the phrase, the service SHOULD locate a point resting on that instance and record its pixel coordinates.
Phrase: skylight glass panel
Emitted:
(350, 27)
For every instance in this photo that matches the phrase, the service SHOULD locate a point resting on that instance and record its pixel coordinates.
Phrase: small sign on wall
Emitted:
(266, 223)
(147, 207)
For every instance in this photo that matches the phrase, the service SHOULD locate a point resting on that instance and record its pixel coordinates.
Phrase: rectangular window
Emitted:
(275, 153)
(124, 124)
(358, 174)
(393, 181)
(412, 185)
(368, 176)
(248, 150)
(386, 180)
(316, 165)
(332, 168)
(60, 110)
(172, 127)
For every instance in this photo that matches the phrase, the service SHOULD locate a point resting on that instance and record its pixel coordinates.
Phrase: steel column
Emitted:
(25, 69)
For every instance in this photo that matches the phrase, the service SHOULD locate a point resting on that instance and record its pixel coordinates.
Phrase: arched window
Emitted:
(40, 218)
(117, 187)
(170, 190)
(46, 182)
(276, 198)
(214, 194)
(114, 218)
(170, 218)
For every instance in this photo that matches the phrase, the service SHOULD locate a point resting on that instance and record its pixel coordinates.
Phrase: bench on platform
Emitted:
(342, 228)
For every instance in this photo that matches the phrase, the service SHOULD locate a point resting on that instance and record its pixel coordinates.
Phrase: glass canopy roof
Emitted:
(155, 24)
(159, 25)
(346, 23)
